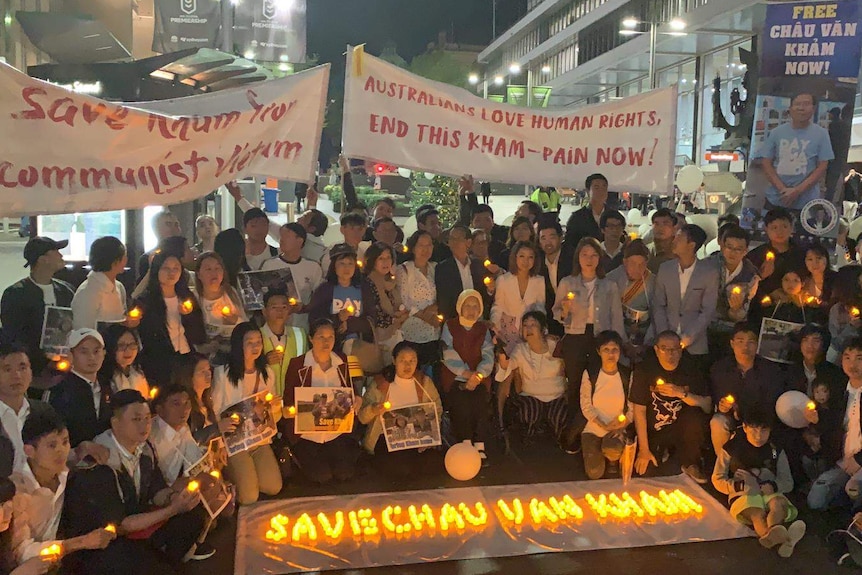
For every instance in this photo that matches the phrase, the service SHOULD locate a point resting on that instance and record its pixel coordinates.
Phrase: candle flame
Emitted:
(487, 263)
(351, 309)
(291, 301)
(770, 256)
(268, 397)
(487, 281)
(737, 290)
(621, 418)
(359, 264)
(215, 474)
(279, 348)
(730, 399)
(291, 410)
(234, 417)
(111, 528)
(811, 406)
(135, 313)
(659, 381)
(440, 317)
(405, 249)
(766, 301)
(51, 550)
(188, 305)
(63, 365)
(855, 312)
(193, 486)
(387, 405)
(225, 311)
(570, 295)
(154, 391)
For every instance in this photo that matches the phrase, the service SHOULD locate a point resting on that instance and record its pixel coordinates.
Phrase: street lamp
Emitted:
(498, 80)
(514, 68)
(630, 25)
(473, 78)
(546, 69)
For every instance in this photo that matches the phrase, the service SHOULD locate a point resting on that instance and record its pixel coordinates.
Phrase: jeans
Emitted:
(828, 489)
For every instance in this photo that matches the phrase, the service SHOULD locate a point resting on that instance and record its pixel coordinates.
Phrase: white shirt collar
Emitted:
(309, 360)
(21, 413)
(26, 473)
(164, 430)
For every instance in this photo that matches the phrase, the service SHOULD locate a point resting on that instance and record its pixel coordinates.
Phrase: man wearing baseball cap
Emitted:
(22, 308)
(83, 403)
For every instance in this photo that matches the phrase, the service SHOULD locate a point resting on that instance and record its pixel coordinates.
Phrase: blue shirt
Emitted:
(795, 153)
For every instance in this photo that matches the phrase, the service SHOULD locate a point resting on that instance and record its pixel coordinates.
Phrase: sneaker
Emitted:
(202, 551)
(795, 532)
(777, 535)
(695, 472)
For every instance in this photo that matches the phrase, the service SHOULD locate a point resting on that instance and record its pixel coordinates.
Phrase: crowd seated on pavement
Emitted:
(578, 337)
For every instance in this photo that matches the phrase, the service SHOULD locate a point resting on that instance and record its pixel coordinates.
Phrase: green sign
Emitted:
(497, 98)
(516, 95)
(541, 96)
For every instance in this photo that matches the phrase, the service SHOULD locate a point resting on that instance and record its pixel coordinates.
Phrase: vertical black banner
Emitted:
(182, 24)
(273, 30)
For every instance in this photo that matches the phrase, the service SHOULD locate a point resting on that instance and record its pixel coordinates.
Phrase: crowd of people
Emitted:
(580, 337)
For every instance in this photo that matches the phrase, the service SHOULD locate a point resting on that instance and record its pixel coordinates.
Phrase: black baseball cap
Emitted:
(39, 246)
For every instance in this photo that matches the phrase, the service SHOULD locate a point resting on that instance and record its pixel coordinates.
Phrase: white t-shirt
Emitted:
(48, 293)
(176, 331)
(591, 299)
(214, 319)
(402, 392)
(608, 400)
(307, 276)
(254, 262)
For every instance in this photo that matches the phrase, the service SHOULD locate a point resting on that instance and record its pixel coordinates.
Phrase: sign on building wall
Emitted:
(182, 24)
(272, 30)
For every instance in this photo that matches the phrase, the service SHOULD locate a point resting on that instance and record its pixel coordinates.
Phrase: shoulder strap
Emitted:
(273, 251)
(299, 337)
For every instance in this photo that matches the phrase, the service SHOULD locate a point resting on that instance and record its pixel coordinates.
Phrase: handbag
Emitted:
(369, 354)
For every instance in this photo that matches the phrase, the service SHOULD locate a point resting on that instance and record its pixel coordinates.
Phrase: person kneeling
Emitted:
(755, 475)
(157, 525)
(402, 385)
(604, 392)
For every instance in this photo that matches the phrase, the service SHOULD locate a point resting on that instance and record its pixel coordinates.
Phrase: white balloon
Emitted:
(404, 172)
(791, 407)
(689, 179)
(463, 461)
(429, 176)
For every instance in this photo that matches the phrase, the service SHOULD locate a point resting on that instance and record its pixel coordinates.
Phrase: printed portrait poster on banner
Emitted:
(776, 341)
(112, 156)
(411, 427)
(274, 30)
(182, 24)
(214, 493)
(323, 410)
(809, 66)
(254, 423)
(393, 116)
(253, 286)
(56, 328)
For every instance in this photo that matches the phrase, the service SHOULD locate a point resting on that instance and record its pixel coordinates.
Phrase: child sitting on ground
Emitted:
(755, 475)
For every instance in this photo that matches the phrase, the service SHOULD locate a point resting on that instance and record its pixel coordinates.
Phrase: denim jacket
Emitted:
(607, 312)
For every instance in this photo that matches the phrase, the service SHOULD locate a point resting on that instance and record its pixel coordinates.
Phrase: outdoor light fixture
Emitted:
(630, 23)
(249, 55)
(498, 80)
(515, 68)
(546, 69)
(473, 78)
(283, 67)
(677, 24)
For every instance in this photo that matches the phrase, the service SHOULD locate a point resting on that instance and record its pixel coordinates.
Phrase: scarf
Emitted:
(464, 295)
(389, 301)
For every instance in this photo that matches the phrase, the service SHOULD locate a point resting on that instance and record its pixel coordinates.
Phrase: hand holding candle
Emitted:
(188, 306)
(770, 256)
(52, 551)
(387, 405)
(292, 301)
(135, 313)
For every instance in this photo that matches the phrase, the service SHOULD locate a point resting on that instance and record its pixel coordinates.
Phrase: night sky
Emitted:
(411, 24)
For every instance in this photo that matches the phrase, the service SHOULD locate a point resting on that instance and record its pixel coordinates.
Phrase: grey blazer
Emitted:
(691, 316)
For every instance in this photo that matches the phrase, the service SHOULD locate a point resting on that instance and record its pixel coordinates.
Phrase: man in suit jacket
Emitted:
(686, 292)
(460, 272)
(22, 308)
(555, 265)
(585, 222)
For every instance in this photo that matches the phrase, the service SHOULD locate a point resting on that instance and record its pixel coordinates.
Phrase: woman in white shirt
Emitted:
(586, 304)
(121, 369)
(604, 401)
(419, 296)
(216, 296)
(541, 395)
(402, 385)
(255, 470)
(520, 290)
(101, 297)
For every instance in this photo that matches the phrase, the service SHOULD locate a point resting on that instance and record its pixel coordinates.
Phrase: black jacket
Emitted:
(449, 286)
(22, 311)
(581, 224)
(72, 397)
(833, 375)
(564, 268)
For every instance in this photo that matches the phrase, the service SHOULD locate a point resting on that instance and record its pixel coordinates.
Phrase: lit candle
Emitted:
(268, 397)
(621, 418)
(487, 281)
(215, 474)
(188, 305)
(291, 410)
(111, 528)
(766, 301)
(570, 295)
(279, 348)
(193, 486)
(154, 391)
(291, 301)
(54, 549)
(487, 263)
(659, 381)
(387, 405)
(479, 376)
(405, 249)
(351, 309)
(811, 406)
(225, 310)
(730, 399)
(234, 417)
(440, 317)
(810, 299)
(737, 290)
(633, 235)
(359, 264)
(135, 313)
(770, 256)
(855, 312)
(63, 365)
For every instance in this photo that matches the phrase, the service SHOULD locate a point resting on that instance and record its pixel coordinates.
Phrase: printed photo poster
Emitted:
(253, 286)
(411, 427)
(809, 65)
(207, 472)
(254, 423)
(55, 330)
(775, 342)
(324, 410)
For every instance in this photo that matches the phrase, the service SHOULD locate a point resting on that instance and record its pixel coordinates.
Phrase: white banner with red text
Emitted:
(63, 152)
(393, 116)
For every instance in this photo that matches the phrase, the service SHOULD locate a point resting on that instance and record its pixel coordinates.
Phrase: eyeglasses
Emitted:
(127, 346)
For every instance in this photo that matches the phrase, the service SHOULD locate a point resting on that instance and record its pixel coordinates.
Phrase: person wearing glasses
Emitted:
(671, 403)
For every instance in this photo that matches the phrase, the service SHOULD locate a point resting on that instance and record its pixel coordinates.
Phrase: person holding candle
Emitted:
(390, 313)
(785, 253)
(172, 321)
(810, 364)
(755, 475)
(636, 286)
(13, 515)
(121, 368)
(101, 297)
(790, 302)
(41, 485)
(171, 437)
(461, 272)
(671, 403)
(821, 276)
(822, 437)
(468, 360)
(520, 290)
(353, 226)
(419, 295)
(604, 402)
(742, 382)
(738, 281)
(556, 264)
(587, 303)
(321, 457)
(157, 526)
(216, 295)
(846, 311)
(540, 392)
(281, 342)
(401, 384)
(246, 373)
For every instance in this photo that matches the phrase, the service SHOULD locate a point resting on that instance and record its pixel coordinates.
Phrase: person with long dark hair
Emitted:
(521, 230)
(122, 368)
(230, 245)
(520, 290)
(195, 373)
(419, 295)
(171, 319)
(216, 295)
(256, 470)
(390, 312)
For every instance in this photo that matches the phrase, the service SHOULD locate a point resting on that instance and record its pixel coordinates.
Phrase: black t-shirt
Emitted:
(663, 411)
